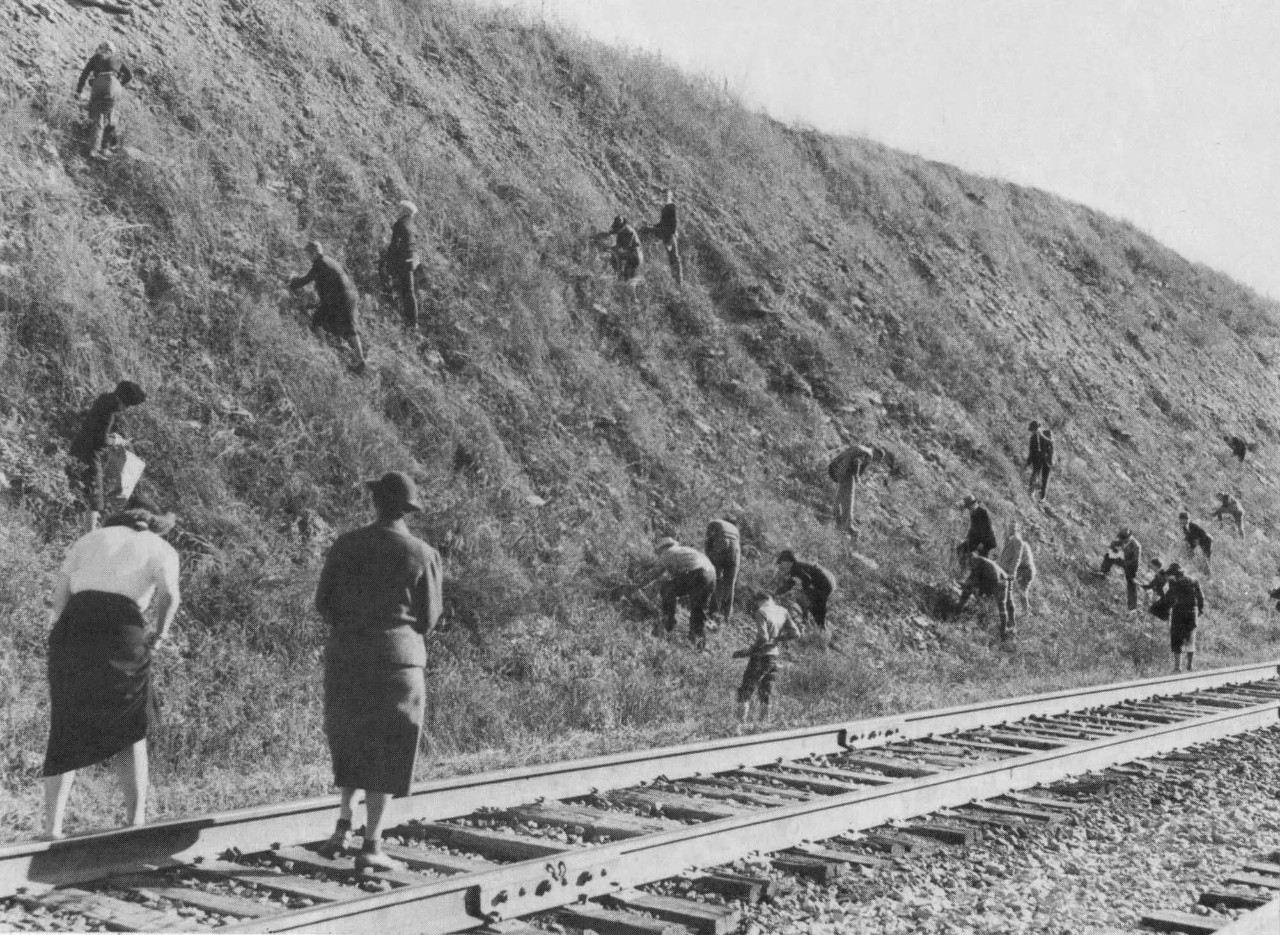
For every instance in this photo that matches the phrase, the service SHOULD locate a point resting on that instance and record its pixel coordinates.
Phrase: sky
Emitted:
(1160, 112)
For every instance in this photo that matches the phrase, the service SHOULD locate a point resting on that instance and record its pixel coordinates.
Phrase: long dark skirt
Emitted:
(373, 718)
(99, 681)
(1182, 632)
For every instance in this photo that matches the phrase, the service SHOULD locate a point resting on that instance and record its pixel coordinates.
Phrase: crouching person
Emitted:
(380, 593)
(987, 579)
(688, 576)
(773, 627)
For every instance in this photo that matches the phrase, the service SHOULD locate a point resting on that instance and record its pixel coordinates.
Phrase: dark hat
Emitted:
(619, 222)
(968, 501)
(1124, 533)
(786, 555)
(396, 490)
(1033, 425)
(142, 520)
(1184, 515)
(130, 393)
(1155, 563)
(1048, 433)
(1174, 568)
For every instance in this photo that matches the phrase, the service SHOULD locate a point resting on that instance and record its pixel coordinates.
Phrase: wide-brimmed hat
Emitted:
(666, 542)
(786, 555)
(968, 501)
(130, 393)
(397, 490)
(1032, 425)
(1174, 568)
(619, 222)
(1184, 515)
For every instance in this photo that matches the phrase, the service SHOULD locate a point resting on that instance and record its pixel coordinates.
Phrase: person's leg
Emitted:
(765, 689)
(356, 346)
(1107, 564)
(668, 597)
(730, 583)
(1191, 658)
(844, 502)
(1177, 661)
(818, 607)
(1006, 610)
(371, 856)
(673, 260)
(57, 789)
(98, 114)
(747, 688)
(1044, 479)
(408, 296)
(1131, 587)
(130, 766)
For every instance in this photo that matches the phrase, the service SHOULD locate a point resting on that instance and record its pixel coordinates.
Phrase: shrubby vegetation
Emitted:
(556, 423)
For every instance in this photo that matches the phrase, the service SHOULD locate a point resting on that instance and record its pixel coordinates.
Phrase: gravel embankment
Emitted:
(1152, 842)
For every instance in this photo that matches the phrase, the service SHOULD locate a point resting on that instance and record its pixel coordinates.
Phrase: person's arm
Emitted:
(62, 587)
(297, 282)
(85, 74)
(1199, 599)
(327, 585)
(167, 593)
(428, 598)
(787, 585)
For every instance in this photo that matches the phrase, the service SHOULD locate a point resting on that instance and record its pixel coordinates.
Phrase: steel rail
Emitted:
(471, 900)
(87, 857)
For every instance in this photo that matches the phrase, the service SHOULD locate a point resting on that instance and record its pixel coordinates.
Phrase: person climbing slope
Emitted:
(847, 469)
(100, 429)
(667, 230)
(401, 260)
(106, 74)
(626, 253)
(339, 299)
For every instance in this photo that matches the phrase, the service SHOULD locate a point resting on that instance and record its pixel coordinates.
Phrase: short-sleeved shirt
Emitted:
(380, 591)
(122, 560)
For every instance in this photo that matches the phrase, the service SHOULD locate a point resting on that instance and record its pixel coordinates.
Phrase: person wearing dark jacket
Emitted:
(1186, 604)
(380, 593)
(1159, 579)
(981, 538)
(339, 299)
(106, 74)
(815, 582)
(987, 579)
(401, 261)
(1194, 535)
(1239, 447)
(627, 254)
(1125, 551)
(667, 230)
(89, 446)
(723, 548)
(1039, 457)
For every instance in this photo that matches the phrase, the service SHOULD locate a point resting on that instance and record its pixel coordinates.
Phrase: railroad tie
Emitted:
(1038, 801)
(1163, 921)
(870, 779)
(492, 844)
(811, 784)
(888, 767)
(1255, 879)
(154, 886)
(839, 855)
(290, 857)
(1232, 899)
(746, 889)
(510, 927)
(674, 805)
(437, 861)
(1269, 867)
(273, 880)
(1014, 811)
(946, 833)
(589, 822)
(703, 918)
(119, 915)
(816, 869)
(723, 790)
(615, 922)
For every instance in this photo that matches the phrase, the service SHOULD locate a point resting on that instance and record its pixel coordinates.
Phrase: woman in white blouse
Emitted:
(100, 656)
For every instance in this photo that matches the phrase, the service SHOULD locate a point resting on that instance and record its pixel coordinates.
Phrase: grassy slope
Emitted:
(836, 287)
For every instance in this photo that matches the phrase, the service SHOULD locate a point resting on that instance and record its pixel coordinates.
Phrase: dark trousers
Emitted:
(408, 294)
(1130, 578)
(724, 555)
(695, 588)
(814, 598)
(672, 244)
(1039, 472)
(88, 480)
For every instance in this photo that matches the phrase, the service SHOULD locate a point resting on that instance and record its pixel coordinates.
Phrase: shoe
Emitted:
(377, 861)
(340, 841)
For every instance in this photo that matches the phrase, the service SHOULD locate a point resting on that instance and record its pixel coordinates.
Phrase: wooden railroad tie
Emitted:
(744, 888)
(614, 922)
(289, 857)
(1163, 921)
(1232, 899)
(674, 805)
(119, 915)
(703, 918)
(274, 880)
(492, 844)
(154, 886)
(589, 822)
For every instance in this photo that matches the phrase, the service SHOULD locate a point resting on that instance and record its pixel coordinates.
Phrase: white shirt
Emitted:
(120, 560)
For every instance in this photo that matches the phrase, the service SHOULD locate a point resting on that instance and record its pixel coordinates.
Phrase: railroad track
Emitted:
(488, 849)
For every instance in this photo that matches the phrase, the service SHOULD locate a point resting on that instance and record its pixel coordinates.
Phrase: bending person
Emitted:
(101, 700)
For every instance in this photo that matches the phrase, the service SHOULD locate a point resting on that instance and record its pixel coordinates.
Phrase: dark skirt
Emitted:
(372, 718)
(99, 681)
(1182, 632)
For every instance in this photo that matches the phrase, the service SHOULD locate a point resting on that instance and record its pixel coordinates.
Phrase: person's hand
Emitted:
(157, 638)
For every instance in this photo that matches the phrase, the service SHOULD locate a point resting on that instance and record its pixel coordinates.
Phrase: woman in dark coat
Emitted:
(100, 656)
(380, 593)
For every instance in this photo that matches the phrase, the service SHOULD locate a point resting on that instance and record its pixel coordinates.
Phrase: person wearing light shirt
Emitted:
(99, 665)
(688, 577)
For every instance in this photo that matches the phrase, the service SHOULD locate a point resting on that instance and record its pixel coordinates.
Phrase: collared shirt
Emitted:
(380, 591)
(120, 560)
(770, 617)
(681, 559)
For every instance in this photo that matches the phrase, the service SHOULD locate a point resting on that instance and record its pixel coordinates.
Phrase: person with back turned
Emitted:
(667, 230)
(1195, 537)
(815, 583)
(724, 550)
(688, 576)
(1039, 457)
(380, 593)
(106, 74)
(339, 299)
(99, 665)
(401, 261)
(1186, 603)
(627, 254)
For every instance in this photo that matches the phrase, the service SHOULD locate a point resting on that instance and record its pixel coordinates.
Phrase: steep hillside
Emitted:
(834, 288)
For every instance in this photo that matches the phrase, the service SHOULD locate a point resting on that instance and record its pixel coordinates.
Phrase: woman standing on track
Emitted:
(100, 656)
(380, 593)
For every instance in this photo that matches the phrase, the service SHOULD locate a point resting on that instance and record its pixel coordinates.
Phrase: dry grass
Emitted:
(832, 285)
